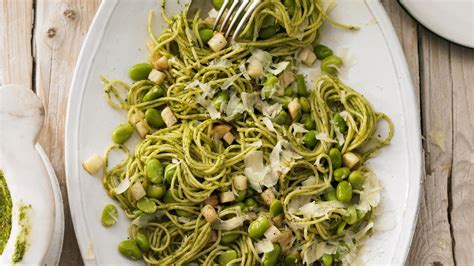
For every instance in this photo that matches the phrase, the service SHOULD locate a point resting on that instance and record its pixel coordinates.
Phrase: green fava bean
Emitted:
(142, 241)
(168, 198)
(251, 203)
(154, 93)
(344, 191)
(221, 98)
(229, 238)
(322, 51)
(109, 215)
(301, 89)
(271, 258)
(154, 171)
(170, 170)
(227, 256)
(352, 217)
(146, 205)
(357, 179)
(206, 35)
(268, 32)
(330, 195)
(336, 158)
(341, 173)
(122, 133)
(258, 227)
(276, 207)
(308, 122)
(156, 191)
(241, 196)
(305, 105)
(281, 118)
(130, 249)
(218, 4)
(339, 123)
(291, 260)
(154, 119)
(289, 91)
(290, 6)
(309, 139)
(326, 260)
(331, 64)
(340, 228)
(140, 71)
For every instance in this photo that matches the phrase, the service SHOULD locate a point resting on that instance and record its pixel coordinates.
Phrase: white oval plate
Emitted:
(117, 40)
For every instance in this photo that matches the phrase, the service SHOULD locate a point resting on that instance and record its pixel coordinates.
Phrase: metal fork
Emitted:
(243, 5)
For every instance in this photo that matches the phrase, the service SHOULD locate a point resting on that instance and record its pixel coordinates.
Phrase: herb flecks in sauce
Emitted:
(5, 213)
(22, 244)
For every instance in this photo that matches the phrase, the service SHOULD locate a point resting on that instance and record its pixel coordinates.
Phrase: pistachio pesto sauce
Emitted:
(5, 213)
(6, 205)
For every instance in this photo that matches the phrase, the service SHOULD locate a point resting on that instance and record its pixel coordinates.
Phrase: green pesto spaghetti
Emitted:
(240, 163)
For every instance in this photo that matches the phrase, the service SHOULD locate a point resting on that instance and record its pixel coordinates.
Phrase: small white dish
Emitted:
(116, 41)
(452, 20)
(30, 178)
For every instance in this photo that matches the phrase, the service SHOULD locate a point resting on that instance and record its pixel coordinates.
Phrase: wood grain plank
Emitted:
(16, 60)
(60, 30)
(462, 183)
(407, 33)
(432, 242)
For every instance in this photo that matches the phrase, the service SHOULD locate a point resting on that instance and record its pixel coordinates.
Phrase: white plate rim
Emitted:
(81, 73)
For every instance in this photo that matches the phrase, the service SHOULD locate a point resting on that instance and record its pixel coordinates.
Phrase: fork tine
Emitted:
(219, 15)
(246, 16)
(229, 14)
(235, 18)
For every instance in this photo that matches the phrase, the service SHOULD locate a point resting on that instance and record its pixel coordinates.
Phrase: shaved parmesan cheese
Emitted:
(218, 62)
(339, 136)
(323, 248)
(137, 191)
(345, 115)
(249, 100)
(299, 128)
(323, 136)
(268, 123)
(209, 107)
(370, 196)
(229, 82)
(234, 106)
(254, 169)
(213, 13)
(207, 91)
(230, 224)
(123, 186)
(271, 110)
(278, 68)
(319, 209)
(310, 181)
(264, 246)
(261, 56)
(243, 70)
(257, 144)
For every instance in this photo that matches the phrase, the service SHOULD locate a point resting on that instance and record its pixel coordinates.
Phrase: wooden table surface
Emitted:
(40, 41)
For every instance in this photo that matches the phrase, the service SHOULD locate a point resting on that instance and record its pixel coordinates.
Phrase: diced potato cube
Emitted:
(217, 42)
(157, 76)
(168, 116)
(294, 108)
(240, 182)
(220, 130)
(307, 56)
(93, 164)
(350, 159)
(267, 196)
(137, 191)
(141, 128)
(161, 63)
(136, 117)
(209, 213)
(286, 78)
(227, 196)
(212, 200)
(229, 138)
